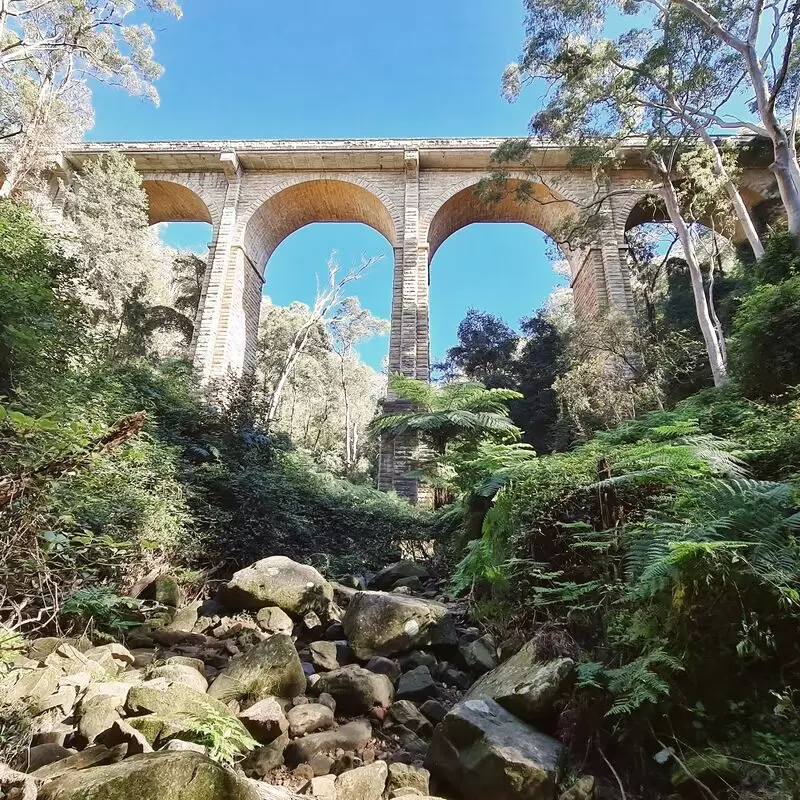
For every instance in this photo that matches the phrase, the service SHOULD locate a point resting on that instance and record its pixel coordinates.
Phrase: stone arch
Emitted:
(295, 203)
(172, 201)
(459, 206)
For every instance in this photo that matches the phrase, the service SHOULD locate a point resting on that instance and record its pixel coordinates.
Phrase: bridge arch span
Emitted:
(295, 203)
(183, 198)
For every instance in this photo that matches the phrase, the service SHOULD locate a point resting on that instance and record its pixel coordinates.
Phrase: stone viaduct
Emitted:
(416, 192)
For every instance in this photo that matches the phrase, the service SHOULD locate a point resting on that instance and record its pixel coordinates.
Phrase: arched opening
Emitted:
(332, 390)
(324, 200)
(504, 270)
(182, 225)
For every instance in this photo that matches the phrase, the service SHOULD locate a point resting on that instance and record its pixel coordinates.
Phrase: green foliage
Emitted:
(102, 608)
(765, 351)
(11, 646)
(226, 740)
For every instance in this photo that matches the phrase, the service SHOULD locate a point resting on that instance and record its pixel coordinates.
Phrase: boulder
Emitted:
(309, 718)
(406, 776)
(482, 750)
(270, 668)
(97, 715)
(122, 733)
(177, 673)
(171, 703)
(117, 689)
(265, 720)
(349, 737)
(323, 787)
(380, 624)
(417, 684)
(41, 755)
(355, 689)
(363, 783)
(525, 686)
(324, 655)
(181, 775)
(279, 581)
(32, 686)
(274, 620)
(185, 618)
(90, 757)
(433, 710)
(389, 576)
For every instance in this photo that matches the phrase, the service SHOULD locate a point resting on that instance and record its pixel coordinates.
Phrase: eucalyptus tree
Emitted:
(600, 90)
(49, 50)
(348, 326)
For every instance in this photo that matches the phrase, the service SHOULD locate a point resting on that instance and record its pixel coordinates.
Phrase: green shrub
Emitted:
(765, 351)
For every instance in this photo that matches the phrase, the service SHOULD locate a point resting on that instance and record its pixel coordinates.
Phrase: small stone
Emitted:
(418, 684)
(405, 776)
(274, 620)
(321, 764)
(356, 690)
(309, 719)
(180, 744)
(324, 787)
(324, 655)
(177, 673)
(352, 736)
(303, 772)
(419, 658)
(384, 666)
(389, 576)
(308, 669)
(260, 762)
(185, 618)
(334, 631)
(312, 621)
(300, 700)
(404, 712)
(265, 720)
(582, 789)
(480, 656)
(455, 677)
(327, 700)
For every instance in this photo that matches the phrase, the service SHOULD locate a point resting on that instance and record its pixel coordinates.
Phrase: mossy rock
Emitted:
(167, 775)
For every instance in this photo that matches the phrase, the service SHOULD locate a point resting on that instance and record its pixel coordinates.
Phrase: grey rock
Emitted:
(433, 710)
(264, 759)
(418, 684)
(524, 686)
(384, 666)
(404, 712)
(265, 720)
(324, 655)
(152, 776)
(380, 624)
(41, 755)
(279, 581)
(405, 776)
(274, 620)
(363, 783)
(185, 618)
(309, 718)
(177, 673)
(482, 750)
(355, 689)
(122, 733)
(480, 655)
(271, 668)
(180, 744)
(324, 787)
(327, 700)
(321, 764)
(350, 737)
(97, 715)
(388, 577)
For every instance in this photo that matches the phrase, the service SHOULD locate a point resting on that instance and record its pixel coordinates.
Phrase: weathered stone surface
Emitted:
(363, 783)
(41, 755)
(525, 686)
(116, 689)
(482, 750)
(97, 715)
(352, 736)
(324, 655)
(265, 719)
(30, 685)
(389, 576)
(152, 776)
(180, 744)
(271, 668)
(177, 673)
(479, 655)
(433, 710)
(90, 757)
(380, 624)
(274, 620)
(355, 689)
(417, 684)
(309, 718)
(185, 618)
(404, 712)
(122, 733)
(385, 666)
(264, 759)
(279, 581)
(406, 776)
(175, 700)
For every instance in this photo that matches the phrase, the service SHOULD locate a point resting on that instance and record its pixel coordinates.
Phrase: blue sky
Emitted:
(266, 69)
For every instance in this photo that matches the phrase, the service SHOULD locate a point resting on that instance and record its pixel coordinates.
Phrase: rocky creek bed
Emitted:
(373, 690)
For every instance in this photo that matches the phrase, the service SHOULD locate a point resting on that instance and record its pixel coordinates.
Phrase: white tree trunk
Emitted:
(713, 349)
